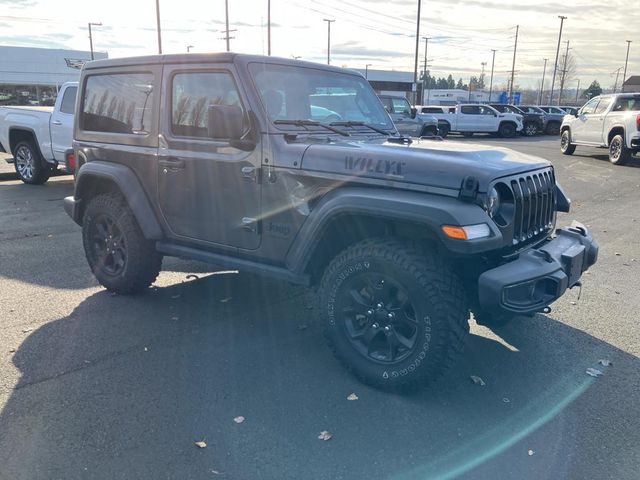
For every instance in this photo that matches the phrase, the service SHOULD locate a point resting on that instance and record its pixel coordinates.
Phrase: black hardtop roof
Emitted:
(221, 57)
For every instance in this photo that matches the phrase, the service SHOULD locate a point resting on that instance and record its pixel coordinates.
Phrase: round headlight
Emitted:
(493, 202)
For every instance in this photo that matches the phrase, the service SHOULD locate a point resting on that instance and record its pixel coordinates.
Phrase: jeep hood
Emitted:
(441, 164)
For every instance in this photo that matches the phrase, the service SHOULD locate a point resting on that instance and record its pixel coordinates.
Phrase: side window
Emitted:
(485, 111)
(603, 105)
(470, 110)
(590, 106)
(118, 103)
(68, 104)
(193, 93)
(400, 105)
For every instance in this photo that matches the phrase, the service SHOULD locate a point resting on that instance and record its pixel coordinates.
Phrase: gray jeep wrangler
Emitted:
(218, 157)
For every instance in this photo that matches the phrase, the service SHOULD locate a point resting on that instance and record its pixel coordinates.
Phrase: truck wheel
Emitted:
(492, 321)
(530, 129)
(120, 257)
(429, 131)
(507, 130)
(565, 143)
(553, 128)
(619, 154)
(29, 165)
(467, 134)
(394, 317)
(443, 130)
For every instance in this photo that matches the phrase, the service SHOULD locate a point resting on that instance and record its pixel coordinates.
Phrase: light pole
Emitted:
(624, 75)
(544, 71)
(513, 65)
(415, 64)
(424, 75)
(100, 24)
(555, 65)
(329, 22)
(366, 70)
(493, 61)
(189, 47)
(158, 26)
(269, 27)
(564, 73)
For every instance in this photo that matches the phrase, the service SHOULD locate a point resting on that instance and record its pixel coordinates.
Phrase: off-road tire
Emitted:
(437, 301)
(429, 131)
(141, 263)
(530, 129)
(619, 154)
(552, 128)
(492, 321)
(29, 164)
(565, 143)
(507, 130)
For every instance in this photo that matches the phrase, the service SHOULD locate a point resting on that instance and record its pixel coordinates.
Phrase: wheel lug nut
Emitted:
(375, 326)
(387, 328)
(391, 315)
(369, 312)
(380, 306)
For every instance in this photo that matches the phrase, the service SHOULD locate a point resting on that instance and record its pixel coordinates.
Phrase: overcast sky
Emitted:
(377, 32)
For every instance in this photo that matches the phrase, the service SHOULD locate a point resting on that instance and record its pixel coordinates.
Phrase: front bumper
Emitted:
(539, 276)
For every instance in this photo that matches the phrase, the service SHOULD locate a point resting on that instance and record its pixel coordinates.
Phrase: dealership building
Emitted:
(32, 76)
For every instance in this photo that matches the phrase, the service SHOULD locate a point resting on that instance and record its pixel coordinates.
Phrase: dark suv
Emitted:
(217, 157)
(533, 123)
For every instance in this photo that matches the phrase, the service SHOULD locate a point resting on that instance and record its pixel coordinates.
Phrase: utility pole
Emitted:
(577, 92)
(189, 47)
(624, 75)
(268, 27)
(158, 26)
(424, 76)
(366, 70)
(555, 65)
(513, 65)
(329, 22)
(91, 36)
(564, 72)
(615, 85)
(415, 65)
(226, 22)
(493, 61)
(544, 71)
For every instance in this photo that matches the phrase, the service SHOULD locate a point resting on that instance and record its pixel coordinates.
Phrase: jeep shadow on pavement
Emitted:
(218, 158)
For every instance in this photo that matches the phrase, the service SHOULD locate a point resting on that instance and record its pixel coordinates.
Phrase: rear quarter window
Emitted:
(68, 104)
(118, 103)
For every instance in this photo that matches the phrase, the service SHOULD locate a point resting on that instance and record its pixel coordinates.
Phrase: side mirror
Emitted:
(225, 122)
(414, 112)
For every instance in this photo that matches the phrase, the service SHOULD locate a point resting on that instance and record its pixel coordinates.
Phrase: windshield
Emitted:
(298, 93)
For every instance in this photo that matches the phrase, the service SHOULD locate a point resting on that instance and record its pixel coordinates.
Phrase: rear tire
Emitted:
(394, 317)
(120, 257)
(467, 134)
(507, 130)
(565, 143)
(619, 154)
(29, 164)
(443, 130)
(530, 129)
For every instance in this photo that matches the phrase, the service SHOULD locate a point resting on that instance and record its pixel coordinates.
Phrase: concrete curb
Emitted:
(6, 176)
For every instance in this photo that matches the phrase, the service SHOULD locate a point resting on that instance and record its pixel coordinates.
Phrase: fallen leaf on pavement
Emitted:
(594, 372)
(604, 362)
(477, 380)
(175, 296)
(239, 419)
(175, 318)
(618, 254)
(192, 277)
(324, 435)
(506, 400)
(573, 303)
(530, 452)
(225, 300)
(201, 444)
(353, 396)
(26, 330)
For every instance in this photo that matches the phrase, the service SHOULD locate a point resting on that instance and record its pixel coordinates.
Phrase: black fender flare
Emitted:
(130, 187)
(430, 210)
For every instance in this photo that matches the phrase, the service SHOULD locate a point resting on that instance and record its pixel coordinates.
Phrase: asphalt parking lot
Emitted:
(94, 385)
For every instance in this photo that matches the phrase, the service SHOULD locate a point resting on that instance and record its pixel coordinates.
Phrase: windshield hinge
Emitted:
(469, 188)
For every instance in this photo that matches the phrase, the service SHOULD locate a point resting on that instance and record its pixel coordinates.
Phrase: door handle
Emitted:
(56, 122)
(250, 173)
(172, 163)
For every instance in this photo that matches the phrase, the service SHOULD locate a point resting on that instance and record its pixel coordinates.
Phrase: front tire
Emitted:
(429, 131)
(619, 154)
(29, 164)
(467, 134)
(530, 129)
(507, 130)
(120, 257)
(553, 128)
(443, 130)
(394, 317)
(565, 143)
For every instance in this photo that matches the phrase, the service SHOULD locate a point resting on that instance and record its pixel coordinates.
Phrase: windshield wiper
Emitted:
(311, 123)
(361, 124)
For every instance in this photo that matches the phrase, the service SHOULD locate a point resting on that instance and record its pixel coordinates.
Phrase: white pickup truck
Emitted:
(608, 121)
(38, 137)
(473, 118)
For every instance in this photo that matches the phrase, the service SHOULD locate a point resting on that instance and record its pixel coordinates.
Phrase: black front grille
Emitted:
(535, 205)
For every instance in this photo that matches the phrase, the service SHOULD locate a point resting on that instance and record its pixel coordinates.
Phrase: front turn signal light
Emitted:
(467, 232)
